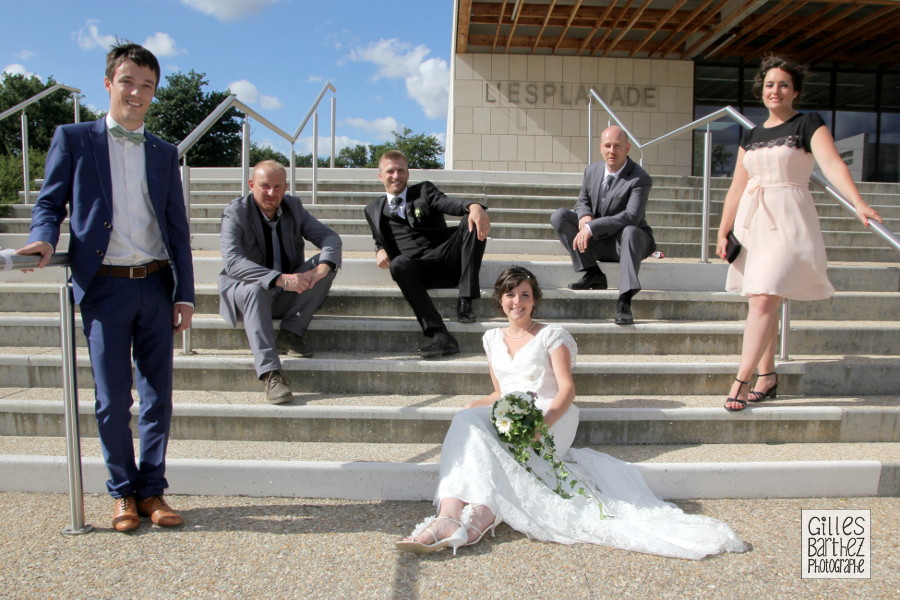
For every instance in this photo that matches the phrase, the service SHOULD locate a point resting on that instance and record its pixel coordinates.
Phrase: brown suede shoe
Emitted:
(125, 514)
(159, 512)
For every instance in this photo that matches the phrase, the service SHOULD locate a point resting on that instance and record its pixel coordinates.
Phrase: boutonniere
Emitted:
(417, 213)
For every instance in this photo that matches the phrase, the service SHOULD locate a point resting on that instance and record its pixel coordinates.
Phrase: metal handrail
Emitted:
(70, 388)
(233, 102)
(21, 106)
(726, 112)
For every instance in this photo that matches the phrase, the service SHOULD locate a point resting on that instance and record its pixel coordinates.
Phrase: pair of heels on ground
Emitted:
(460, 537)
(753, 395)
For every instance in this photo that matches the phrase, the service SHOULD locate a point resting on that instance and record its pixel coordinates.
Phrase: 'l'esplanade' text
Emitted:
(568, 94)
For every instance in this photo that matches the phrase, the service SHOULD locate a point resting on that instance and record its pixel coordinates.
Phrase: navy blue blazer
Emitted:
(77, 176)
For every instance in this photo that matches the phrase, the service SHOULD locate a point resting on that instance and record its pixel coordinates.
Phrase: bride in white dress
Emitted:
(482, 485)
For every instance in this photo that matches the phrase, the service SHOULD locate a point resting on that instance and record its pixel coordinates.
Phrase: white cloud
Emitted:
(382, 128)
(249, 94)
(16, 69)
(315, 79)
(25, 54)
(162, 44)
(427, 80)
(89, 37)
(228, 10)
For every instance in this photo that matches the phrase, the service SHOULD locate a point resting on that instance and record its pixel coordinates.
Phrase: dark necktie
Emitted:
(131, 136)
(607, 184)
(395, 208)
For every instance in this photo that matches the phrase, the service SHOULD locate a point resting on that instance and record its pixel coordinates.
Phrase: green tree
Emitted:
(11, 176)
(422, 151)
(43, 116)
(181, 106)
(305, 160)
(352, 156)
(259, 153)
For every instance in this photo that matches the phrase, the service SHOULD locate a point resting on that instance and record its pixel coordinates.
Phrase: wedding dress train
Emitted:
(476, 467)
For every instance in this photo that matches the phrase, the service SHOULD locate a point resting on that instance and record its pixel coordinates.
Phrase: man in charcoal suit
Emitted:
(412, 239)
(608, 222)
(266, 275)
(130, 254)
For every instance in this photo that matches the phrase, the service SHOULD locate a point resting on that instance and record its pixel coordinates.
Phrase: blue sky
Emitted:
(388, 61)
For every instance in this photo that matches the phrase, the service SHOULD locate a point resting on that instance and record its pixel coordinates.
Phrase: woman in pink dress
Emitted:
(771, 211)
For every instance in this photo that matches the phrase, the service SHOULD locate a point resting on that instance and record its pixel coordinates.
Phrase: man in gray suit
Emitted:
(608, 222)
(266, 276)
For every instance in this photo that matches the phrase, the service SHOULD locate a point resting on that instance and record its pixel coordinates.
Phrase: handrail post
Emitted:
(70, 407)
(333, 111)
(785, 329)
(315, 156)
(245, 157)
(704, 217)
(77, 103)
(590, 135)
(293, 170)
(26, 174)
(186, 336)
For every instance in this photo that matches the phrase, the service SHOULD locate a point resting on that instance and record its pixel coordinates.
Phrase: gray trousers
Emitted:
(259, 306)
(628, 248)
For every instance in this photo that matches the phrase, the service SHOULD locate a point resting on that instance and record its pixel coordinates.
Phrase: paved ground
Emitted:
(235, 547)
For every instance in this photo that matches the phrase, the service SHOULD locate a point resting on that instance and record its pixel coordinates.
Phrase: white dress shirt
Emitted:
(136, 238)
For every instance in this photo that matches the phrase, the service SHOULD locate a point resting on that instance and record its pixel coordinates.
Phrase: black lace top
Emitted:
(796, 132)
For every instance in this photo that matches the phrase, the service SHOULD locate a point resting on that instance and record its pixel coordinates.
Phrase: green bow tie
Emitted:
(131, 136)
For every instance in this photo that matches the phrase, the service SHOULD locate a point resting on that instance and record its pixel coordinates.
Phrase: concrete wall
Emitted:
(529, 113)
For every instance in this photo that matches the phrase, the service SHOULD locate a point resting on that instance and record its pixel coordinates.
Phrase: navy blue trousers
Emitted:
(125, 320)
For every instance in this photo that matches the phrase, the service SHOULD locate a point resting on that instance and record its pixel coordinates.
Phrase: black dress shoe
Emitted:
(591, 280)
(441, 344)
(464, 312)
(623, 314)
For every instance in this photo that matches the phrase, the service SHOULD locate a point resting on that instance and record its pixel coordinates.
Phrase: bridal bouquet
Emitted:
(521, 425)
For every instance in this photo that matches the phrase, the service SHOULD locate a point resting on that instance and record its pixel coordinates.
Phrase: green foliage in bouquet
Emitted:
(521, 425)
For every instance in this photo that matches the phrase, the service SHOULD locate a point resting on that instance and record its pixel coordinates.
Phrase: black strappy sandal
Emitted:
(755, 396)
(743, 403)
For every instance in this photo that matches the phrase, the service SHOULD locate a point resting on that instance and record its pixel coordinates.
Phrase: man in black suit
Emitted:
(413, 241)
(608, 222)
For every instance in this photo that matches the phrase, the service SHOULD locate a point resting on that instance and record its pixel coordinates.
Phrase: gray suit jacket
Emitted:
(624, 204)
(244, 250)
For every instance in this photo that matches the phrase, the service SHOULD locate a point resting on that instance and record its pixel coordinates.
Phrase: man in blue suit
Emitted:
(130, 254)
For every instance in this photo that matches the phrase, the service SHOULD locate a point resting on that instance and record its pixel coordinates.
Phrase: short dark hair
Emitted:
(392, 155)
(122, 51)
(513, 277)
(769, 62)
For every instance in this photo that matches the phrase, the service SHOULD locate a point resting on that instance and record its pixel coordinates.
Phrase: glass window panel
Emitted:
(889, 149)
(854, 136)
(855, 91)
(715, 85)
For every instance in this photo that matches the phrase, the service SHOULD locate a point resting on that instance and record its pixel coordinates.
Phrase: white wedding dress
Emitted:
(476, 467)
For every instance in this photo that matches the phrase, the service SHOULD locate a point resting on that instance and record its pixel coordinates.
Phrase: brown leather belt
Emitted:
(138, 272)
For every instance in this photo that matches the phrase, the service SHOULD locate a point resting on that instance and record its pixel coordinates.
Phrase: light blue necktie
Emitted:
(131, 136)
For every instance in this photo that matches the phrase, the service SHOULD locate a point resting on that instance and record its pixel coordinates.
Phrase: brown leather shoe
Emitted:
(125, 514)
(159, 512)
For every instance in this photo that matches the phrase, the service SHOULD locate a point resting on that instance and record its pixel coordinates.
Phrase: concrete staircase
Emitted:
(369, 416)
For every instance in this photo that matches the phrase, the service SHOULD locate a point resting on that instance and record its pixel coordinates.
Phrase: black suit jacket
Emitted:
(426, 206)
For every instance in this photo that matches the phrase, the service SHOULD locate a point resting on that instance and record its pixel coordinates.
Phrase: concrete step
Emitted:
(398, 335)
(367, 373)
(792, 471)
(771, 422)
(558, 304)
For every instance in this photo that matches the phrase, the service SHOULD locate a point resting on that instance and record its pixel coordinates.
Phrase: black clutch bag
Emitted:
(732, 248)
